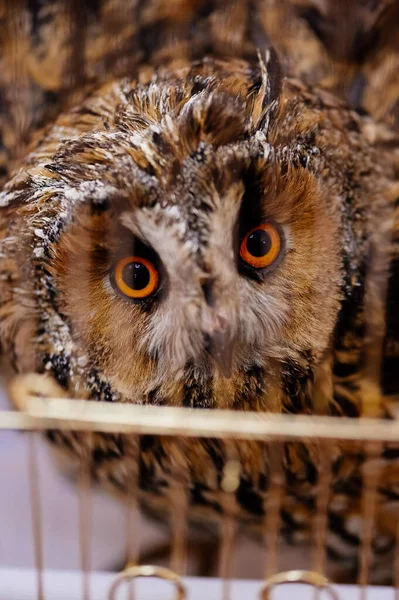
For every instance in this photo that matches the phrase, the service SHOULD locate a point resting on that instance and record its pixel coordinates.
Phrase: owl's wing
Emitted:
(51, 49)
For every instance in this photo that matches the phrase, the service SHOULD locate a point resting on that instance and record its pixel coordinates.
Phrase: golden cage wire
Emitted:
(41, 410)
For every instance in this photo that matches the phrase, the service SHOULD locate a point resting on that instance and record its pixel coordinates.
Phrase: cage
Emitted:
(41, 411)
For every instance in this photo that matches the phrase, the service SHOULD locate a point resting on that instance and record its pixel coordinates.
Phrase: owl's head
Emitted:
(182, 248)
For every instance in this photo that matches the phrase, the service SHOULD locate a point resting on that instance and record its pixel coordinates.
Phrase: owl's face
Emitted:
(195, 256)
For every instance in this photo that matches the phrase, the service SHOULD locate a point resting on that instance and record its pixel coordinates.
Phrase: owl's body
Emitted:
(196, 148)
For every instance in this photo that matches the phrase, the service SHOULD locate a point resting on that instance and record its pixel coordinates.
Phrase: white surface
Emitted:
(59, 513)
(21, 585)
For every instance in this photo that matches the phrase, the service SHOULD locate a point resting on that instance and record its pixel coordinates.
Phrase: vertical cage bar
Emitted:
(273, 503)
(228, 535)
(371, 474)
(228, 528)
(179, 510)
(84, 502)
(35, 503)
(132, 510)
(396, 564)
(320, 521)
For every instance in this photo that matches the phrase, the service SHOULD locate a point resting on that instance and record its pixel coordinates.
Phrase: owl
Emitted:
(199, 208)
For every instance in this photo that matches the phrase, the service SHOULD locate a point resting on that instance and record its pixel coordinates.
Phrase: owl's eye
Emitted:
(135, 277)
(261, 246)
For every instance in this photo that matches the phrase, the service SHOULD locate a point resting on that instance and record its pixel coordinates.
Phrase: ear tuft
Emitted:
(216, 118)
(268, 97)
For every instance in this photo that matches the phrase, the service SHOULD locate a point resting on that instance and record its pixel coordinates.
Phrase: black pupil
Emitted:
(259, 243)
(136, 276)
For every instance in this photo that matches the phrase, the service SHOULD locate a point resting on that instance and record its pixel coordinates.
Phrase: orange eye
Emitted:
(261, 246)
(135, 277)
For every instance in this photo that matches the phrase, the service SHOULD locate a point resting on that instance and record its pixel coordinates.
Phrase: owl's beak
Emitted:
(219, 342)
(220, 347)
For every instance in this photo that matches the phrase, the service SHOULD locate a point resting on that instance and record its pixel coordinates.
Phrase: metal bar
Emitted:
(371, 474)
(228, 528)
(178, 498)
(35, 504)
(132, 511)
(81, 415)
(396, 564)
(84, 500)
(228, 532)
(272, 504)
(320, 521)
